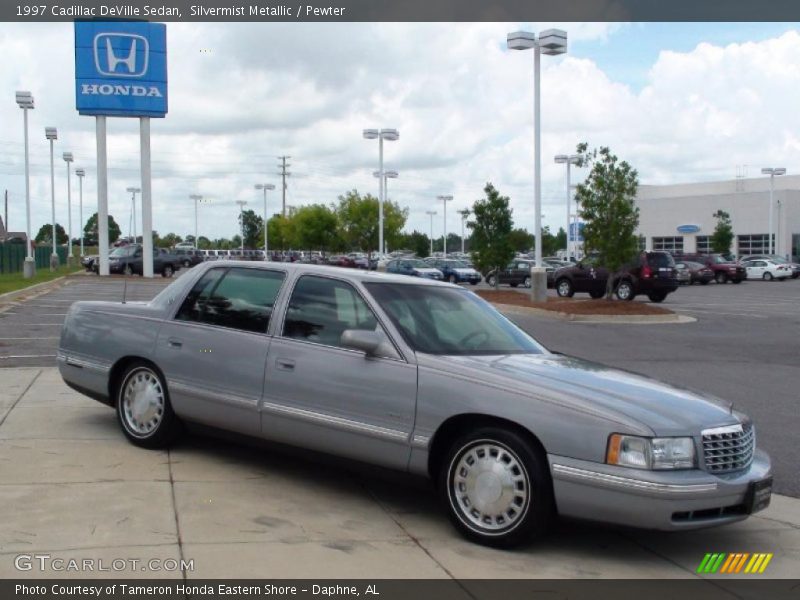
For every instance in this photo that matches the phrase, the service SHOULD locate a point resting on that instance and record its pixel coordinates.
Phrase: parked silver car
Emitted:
(421, 376)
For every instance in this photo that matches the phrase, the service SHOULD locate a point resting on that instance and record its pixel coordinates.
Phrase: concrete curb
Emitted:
(617, 319)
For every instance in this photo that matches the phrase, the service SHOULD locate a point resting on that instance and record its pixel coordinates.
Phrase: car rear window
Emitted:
(658, 260)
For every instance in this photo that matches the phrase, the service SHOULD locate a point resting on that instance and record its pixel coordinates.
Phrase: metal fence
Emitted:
(12, 257)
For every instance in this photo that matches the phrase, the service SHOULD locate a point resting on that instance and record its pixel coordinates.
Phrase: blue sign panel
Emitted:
(689, 228)
(576, 234)
(121, 68)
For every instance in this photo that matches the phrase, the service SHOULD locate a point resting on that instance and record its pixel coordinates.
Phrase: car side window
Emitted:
(321, 309)
(234, 298)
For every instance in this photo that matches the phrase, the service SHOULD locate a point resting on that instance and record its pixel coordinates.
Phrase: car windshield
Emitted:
(418, 264)
(457, 264)
(124, 251)
(447, 321)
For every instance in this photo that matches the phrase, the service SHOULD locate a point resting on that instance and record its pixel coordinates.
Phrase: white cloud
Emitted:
(462, 103)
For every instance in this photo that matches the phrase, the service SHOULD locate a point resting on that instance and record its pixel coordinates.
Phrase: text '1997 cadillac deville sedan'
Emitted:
(420, 376)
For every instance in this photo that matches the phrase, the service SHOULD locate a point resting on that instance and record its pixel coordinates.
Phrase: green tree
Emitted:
(417, 242)
(169, 240)
(203, 243)
(251, 226)
(607, 207)
(315, 227)
(521, 240)
(281, 232)
(45, 235)
(490, 227)
(90, 229)
(358, 221)
(722, 238)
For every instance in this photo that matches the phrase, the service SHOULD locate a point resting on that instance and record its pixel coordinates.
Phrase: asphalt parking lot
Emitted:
(72, 486)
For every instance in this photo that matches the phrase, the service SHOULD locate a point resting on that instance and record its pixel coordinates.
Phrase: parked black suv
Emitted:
(128, 260)
(651, 273)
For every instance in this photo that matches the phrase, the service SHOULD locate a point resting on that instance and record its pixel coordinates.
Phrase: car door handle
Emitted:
(173, 343)
(284, 364)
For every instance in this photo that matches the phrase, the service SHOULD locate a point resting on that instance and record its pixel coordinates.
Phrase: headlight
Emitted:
(651, 453)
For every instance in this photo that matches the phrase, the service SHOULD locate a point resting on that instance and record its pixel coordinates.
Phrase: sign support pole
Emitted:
(102, 195)
(147, 203)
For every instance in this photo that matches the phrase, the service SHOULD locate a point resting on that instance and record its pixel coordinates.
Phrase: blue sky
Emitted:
(627, 55)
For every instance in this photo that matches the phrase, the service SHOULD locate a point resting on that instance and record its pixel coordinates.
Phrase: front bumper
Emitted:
(662, 500)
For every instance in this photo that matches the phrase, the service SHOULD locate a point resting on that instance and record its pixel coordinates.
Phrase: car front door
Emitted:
(321, 395)
(214, 351)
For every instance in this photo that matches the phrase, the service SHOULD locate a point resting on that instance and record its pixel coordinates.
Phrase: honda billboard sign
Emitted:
(121, 68)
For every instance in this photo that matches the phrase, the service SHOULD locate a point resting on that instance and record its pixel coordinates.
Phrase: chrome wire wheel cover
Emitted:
(142, 402)
(489, 487)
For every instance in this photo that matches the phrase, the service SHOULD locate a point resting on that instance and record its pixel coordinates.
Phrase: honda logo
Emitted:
(121, 54)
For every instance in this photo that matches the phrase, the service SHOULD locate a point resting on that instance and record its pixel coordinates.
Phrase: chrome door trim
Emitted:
(234, 400)
(335, 422)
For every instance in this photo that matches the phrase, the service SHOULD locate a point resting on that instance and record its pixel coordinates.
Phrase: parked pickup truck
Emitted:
(128, 260)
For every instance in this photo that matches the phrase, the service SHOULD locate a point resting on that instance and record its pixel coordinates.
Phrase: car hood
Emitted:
(613, 393)
(466, 271)
(426, 270)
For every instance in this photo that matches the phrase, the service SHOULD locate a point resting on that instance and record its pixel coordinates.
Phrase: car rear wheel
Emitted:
(767, 276)
(527, 282)
(721, 278)
(186, 264)
(625, 291)
(564, 288)
(496, 487)
(143, 408)
(167, 271)
(491, 280)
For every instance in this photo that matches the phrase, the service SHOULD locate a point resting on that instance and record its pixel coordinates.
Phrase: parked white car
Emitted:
(767, 270)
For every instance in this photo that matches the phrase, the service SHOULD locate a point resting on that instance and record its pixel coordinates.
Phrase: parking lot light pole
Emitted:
(431, 213)
(389, 135)
(51, 133)
(197, 198)
(387, 175)
(444, 200)
(551, 42)
(772, 172)
(80, 173)
(25, 102)
(133, 191)
(265, 187)
(464, 214)
(242, 204)
(569, 161)
(67, 156)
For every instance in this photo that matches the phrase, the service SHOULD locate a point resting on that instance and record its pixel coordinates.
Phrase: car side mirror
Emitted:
(362, 340)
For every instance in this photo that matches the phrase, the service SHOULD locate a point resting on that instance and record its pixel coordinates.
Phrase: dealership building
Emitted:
(679, 217)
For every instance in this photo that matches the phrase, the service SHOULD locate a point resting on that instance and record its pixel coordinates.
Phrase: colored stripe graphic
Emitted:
(734, 563)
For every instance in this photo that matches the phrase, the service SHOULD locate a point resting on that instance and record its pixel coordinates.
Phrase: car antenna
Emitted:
(124, 289)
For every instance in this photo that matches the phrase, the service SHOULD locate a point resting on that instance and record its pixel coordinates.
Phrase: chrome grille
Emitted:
(728, 448)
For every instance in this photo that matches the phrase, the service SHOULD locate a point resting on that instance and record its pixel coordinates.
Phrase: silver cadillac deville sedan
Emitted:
(420, 376)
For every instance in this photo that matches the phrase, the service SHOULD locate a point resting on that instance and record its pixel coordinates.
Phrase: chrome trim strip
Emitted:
(82, 363)
(627, 483)
(214, 396)
(420, 441)
(337, 422)
(722, 430)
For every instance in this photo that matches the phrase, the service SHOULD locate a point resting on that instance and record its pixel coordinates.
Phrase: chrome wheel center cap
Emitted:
(488, 488)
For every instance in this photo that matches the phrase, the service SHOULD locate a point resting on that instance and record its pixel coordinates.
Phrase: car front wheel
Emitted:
(527, 282)
(496, 487)
(721, 278)
(767, 276)
(143, 408)
(564, 288)
(491, 280)
(167, 271)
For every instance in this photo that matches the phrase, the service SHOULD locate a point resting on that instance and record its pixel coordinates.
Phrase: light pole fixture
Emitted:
(67, 156)
(772, 172)
(80, 173)
(197, 199)
(387, 175)
(133, 191)
(25, 102)
(444, 200)
(265, 187)
(573, 159)
(51, 133)
(551, 42)
(390, 135)
(431, 213)
(464, 214)
(242, 204)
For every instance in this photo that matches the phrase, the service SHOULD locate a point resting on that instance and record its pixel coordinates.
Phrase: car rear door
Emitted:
(330, 398)
(214, 350)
